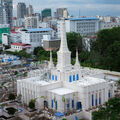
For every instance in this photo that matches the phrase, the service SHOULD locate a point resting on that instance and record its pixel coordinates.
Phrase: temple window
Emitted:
(73, 77)
(49, 76)
(52, 77)
(70, 78)
(77, 78)
(56, 77)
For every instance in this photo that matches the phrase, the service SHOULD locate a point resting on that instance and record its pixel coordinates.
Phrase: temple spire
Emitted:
(51, 65)
(77, 64)
(64, 55)
(63, 46)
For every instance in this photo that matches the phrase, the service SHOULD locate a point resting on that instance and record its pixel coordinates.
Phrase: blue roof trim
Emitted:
(39, 29)
(92, 18)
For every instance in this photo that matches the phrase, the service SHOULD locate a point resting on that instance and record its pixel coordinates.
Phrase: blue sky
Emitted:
(87, 7)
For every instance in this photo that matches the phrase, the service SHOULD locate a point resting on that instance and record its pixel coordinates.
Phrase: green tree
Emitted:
(11, 96)
(11, 110)
(63, 100)
(111, 111)
(32, 103)
(74, 41)
(118, 84)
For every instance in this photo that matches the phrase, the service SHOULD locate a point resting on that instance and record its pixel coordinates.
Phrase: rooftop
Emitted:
(37, 81)
(39, 29)
(62, 91)
(20, 44)
(91, 18)
(87, 81)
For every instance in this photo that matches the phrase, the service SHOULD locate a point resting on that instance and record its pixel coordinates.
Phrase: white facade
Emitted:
(35, 36)
(20, 46)
(84, 26)
(5, 39)
(13, 37)
(63, 87)
(108, 25)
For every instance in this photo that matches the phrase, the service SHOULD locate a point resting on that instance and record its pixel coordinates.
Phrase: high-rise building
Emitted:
(59, 12)
(6, 12)
(21, 10)
(46, 13)
(31, 22)
(30, 10)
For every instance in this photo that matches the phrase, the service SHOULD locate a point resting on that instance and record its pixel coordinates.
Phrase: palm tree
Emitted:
(63, 100)
(44, 100)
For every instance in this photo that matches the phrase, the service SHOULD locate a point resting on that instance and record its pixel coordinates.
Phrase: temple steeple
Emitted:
(63, 46)
(77, 64)
(64, 55)
(51, 65)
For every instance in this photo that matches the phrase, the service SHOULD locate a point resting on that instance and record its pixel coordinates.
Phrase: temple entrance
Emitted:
(79, 106)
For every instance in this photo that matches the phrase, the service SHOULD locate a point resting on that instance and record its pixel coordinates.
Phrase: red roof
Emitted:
(20, 44)
(14, 18)
(12, 31)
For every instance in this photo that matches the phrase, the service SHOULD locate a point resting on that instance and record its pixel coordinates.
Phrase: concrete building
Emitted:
(35, 36)
(12, 37)
(30, 10)
(20, 46)
(21, 10)
(6, 12)
(108, 25)
(62, 88)
(59, 13)
(84, 26)
(49, 43)
(18, 22)
(6, 39)
(31, 22)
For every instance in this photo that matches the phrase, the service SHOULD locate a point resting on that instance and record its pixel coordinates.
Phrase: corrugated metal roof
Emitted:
(39, 29)
(91, 18)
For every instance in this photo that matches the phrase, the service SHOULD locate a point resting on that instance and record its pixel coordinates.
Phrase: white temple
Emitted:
(64, 89)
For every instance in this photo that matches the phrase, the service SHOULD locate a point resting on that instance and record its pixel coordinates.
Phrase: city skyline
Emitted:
(87, 8)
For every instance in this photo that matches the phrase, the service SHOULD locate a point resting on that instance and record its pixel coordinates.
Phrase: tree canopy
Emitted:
(11, 96)
(32, 103)
(111, 111)
(11, 110)
(74, 41)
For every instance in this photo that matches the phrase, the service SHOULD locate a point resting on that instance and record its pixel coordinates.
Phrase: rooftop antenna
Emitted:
(79, 13)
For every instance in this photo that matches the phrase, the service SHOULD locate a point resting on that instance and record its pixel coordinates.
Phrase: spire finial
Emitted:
(51, 65)
(77, 64)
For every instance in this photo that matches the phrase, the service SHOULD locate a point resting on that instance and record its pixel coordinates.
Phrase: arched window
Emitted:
(77, 78)
(56, 105)
(56, 77)
(72, 103)
(52, 77)
(70, 78)
(92, 100)
(73, 77)
(52, 103)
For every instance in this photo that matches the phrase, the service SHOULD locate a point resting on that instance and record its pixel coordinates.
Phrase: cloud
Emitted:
(87, 7)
